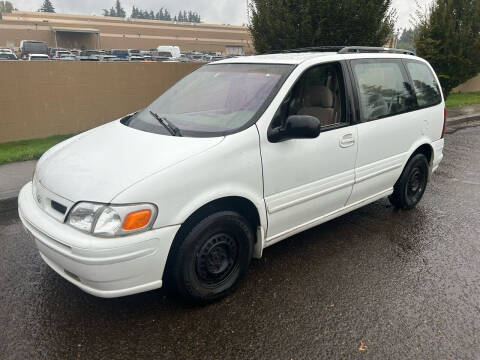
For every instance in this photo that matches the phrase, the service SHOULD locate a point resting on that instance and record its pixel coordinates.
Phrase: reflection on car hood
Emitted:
(99, 164)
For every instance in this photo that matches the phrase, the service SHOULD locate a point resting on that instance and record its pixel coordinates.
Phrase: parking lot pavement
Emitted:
(377, 283)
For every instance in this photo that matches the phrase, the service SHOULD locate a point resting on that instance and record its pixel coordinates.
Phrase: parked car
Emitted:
(36, 57)
(136, 58)
(91, 55)
(235, 157)
(7, 56)
(170, 51)
(161, 58)
(196, 57)
(63, 54)
(32, 47)
(6, 50)
(120, 54)
(52, 51)
(108, 58)
(67, 57)
(76, 53)
(133, 52)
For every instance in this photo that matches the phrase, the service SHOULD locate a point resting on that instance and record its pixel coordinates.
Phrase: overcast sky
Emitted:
(219, 11)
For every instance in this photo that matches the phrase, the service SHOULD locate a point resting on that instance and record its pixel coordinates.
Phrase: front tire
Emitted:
(212, 257)
(409, 189)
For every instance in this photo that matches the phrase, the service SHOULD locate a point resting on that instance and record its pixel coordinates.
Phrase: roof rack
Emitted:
(366, 49)
(309, 49)
(345, 50)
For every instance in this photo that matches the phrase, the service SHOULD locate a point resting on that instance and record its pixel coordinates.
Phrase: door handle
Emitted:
(347, 141)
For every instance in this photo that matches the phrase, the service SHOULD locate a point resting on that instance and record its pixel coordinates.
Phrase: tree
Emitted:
(449, 38)
(406, 40)
(116, 11)
(285, 24)
(161, 14)
(5, 7)
(119, 11)
(47, 7)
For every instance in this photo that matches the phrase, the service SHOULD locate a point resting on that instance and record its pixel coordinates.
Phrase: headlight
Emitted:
(112, 220)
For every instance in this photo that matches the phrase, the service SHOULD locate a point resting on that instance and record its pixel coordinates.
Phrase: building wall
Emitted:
(120, 33)
(39, 99)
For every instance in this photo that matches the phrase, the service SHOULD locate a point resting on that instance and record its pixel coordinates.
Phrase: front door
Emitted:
(305, 180)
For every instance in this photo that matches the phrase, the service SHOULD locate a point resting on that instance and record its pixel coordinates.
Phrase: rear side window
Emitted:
(425, 84)
(383, 88)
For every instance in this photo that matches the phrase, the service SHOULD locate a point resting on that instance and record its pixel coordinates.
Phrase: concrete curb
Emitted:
(463, 118)
(10, 203)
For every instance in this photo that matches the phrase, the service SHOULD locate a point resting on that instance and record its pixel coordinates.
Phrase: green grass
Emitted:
(455, 100)
(27, 149)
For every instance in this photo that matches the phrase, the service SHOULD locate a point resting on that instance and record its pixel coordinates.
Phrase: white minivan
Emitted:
(235, 157)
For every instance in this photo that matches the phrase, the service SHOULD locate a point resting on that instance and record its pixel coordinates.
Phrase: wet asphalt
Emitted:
(377, 283)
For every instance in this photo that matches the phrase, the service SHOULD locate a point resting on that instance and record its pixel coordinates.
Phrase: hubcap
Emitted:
(216, 258)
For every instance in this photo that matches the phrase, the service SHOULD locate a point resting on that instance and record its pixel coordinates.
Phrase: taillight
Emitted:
(444, 122)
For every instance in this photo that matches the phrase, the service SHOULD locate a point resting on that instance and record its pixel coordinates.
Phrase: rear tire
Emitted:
(410, 187)
(212, 257)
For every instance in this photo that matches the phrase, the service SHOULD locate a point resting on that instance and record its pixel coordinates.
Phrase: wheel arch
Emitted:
(239, 204)
(425, 149)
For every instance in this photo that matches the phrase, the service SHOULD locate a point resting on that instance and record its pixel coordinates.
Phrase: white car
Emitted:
(63, 55)
(36, 57)
(6, 50)
(235, 157)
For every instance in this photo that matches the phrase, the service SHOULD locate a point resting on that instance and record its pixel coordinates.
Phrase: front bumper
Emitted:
(105, 267)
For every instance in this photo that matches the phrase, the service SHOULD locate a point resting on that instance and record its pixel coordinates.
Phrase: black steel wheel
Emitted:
(212, 257)
(409, 189)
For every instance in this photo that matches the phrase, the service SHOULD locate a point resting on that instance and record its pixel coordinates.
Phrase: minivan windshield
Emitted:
(214, 100)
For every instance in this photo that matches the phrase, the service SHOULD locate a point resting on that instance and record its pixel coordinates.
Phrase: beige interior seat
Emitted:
(319, 102)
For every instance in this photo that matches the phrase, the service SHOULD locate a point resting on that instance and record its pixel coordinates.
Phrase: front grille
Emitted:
(59, 207)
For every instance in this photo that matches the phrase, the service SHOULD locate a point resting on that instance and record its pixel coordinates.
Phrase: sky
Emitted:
(232, 12)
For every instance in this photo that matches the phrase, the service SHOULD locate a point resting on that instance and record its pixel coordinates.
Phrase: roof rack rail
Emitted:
(309, 49)
(345, 50)
(367, 49)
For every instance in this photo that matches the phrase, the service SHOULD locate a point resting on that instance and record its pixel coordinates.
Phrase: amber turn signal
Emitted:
(137, 220)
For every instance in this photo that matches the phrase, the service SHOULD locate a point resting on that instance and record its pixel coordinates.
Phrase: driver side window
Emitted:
(320, 92)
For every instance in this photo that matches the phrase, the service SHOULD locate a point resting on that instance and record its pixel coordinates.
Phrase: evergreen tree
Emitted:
(285, 24)
(167, 15)
(406, 40)
(47, 7)
(116, 11)
(449, 38)
(119, 11)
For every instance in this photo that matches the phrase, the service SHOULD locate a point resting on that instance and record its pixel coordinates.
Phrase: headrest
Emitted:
(320, 96)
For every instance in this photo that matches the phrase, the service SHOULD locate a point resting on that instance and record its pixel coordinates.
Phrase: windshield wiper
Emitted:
(172, 129)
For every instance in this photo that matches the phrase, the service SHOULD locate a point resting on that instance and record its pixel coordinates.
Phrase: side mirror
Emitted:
(296, 127)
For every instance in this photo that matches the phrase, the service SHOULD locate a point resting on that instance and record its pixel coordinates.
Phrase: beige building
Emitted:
(100, 32)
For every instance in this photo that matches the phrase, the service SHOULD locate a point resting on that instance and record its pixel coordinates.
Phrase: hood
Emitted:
(99, 164)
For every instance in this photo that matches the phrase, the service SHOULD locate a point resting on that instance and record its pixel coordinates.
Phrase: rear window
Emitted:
(426, 86)
(383, 88)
